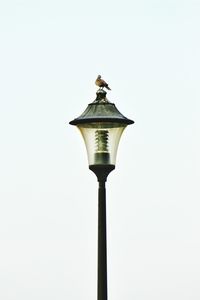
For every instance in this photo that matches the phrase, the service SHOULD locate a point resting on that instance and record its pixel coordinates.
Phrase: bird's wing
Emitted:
(103, 82)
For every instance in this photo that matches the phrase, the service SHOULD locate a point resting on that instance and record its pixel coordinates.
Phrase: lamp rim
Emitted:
(101, 120)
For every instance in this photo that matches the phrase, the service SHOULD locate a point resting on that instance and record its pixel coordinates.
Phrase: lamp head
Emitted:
(101, 126)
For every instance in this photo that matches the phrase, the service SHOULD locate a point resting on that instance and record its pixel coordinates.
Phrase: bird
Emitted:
(101, 83)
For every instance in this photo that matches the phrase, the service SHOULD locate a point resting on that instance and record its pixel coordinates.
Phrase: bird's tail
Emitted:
(107, 87)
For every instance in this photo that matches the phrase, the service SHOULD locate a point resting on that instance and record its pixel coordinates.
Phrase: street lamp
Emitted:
(101, 126)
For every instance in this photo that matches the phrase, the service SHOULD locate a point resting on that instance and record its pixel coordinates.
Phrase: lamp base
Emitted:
(102, 171)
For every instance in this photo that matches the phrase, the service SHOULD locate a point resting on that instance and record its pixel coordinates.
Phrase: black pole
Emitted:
(102, 172)
(102, 247)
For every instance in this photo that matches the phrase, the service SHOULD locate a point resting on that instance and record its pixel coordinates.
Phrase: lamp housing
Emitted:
(101, 126)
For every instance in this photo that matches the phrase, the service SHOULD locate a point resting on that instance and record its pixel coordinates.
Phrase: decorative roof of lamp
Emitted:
(101, 110)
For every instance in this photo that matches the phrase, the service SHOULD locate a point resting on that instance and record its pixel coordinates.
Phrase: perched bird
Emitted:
(101, 83)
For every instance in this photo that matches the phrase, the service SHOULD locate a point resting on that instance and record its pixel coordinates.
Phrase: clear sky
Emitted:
(50, 55)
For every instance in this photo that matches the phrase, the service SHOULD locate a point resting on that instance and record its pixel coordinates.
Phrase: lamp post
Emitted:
(101, 126)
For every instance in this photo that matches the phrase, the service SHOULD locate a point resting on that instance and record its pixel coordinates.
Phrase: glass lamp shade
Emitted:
(101, 141)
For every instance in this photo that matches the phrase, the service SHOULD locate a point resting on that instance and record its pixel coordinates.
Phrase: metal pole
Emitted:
(102, 171)
(102, 248)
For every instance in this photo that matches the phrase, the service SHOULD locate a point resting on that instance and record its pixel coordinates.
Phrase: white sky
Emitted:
(50, 55)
